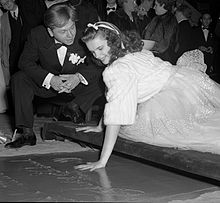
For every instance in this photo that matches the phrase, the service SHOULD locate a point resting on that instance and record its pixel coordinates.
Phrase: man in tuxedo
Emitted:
(104, 8)
(20, 18)
(206, 41)
(52, 63)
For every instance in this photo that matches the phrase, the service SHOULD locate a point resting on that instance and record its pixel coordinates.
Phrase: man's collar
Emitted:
(15, 11)
(204, 28)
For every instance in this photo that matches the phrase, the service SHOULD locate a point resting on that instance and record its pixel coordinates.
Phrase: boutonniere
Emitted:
(76, 59)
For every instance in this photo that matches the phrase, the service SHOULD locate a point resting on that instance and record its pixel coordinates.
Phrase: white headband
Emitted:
(107, 25)
(101, 24)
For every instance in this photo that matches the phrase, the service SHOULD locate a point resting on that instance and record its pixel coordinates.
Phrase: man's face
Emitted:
(130, 5)
(111, 1)
(65, 34)
(206, 20)
(8, 5)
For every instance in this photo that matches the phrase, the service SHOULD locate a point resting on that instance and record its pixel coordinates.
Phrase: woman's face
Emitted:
(147, 4)
(99, 48)
(130, 5)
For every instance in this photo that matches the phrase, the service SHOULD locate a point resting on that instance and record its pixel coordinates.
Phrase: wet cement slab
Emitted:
(52, 178)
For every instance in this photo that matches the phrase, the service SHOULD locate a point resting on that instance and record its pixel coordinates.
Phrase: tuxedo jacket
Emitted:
(30, 14)
(212, 41)
(200, 38)
(185, 42)
(39, 58)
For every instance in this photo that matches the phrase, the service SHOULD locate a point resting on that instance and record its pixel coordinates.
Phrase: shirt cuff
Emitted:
(47, 80)
(82, 79)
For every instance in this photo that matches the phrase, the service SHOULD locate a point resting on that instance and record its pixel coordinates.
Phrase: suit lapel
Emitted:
(68, 67)
(52, 53)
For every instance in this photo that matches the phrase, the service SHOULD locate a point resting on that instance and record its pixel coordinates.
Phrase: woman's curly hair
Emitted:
(120, 43)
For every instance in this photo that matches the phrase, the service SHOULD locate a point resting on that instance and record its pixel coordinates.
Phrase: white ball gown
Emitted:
(162, 104)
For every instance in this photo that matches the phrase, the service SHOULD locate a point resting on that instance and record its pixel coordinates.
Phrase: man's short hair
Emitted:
(58, 15)
(185, 10)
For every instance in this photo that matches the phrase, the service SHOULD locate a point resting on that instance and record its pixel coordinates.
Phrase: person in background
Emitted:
(105, 7)
(125, 17)
(163, 30)
(20, 17)
(86, 13)
(52, 63)
(217, 58)
(185, 30)
(111, 6)
(150, 100)
(3, 76)
(206, 41)
(144, 15)
(217, 27)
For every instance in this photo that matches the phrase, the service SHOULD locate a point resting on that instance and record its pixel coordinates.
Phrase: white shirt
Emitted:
(61, 53)
(111, 10)
(14, 13)
(205, 32)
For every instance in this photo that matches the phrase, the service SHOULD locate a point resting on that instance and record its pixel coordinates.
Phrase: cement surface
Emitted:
(42, 147)
(52, 178)
(45, 173)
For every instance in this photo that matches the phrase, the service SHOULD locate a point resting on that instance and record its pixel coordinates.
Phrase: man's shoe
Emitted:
(22, 140)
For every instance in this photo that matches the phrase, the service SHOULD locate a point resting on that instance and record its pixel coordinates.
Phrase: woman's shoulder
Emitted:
(130, 60)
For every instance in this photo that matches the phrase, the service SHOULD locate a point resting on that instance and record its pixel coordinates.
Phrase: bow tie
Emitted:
(58, 45)
(205, 28)
(112, 8)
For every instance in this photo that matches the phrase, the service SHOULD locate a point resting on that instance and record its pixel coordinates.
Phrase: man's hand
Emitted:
(203, 48)
(71, 81)
(209, 50)
(56, 83)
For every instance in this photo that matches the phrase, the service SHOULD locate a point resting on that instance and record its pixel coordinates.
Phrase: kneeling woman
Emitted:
(149, 100)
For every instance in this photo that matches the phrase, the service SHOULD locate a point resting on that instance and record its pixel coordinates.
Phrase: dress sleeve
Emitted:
(121, 106)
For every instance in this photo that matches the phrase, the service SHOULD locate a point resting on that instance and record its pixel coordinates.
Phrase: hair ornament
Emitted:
(106, 25)
(93, 26)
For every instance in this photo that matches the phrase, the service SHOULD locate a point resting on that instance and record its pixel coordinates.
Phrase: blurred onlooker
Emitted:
(185, 30)
(105, 7)
(3, 98)
(20, 17)
(216, 62)
(143, 11)
(125, 17)
(217, 27)
(206, 41)
(86, 13)
(111, 6)
(163, 30)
